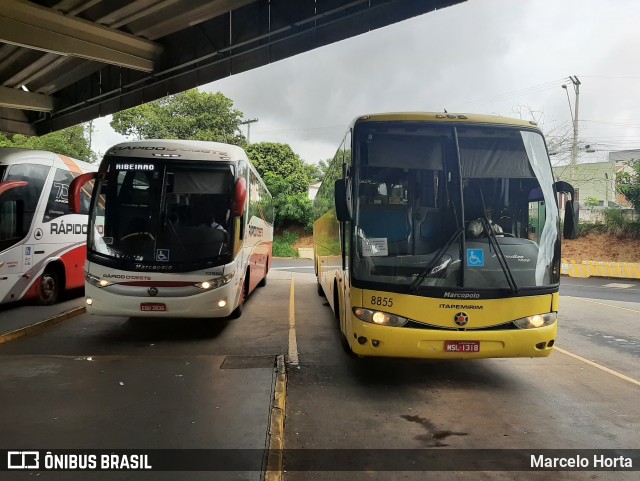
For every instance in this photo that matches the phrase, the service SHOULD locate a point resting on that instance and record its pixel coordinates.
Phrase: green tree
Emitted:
(190, 115)
(318, 171)
(72, 141)
(629, 183)
(287, 178)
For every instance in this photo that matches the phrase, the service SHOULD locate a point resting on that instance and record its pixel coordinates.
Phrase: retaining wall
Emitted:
(622, 270)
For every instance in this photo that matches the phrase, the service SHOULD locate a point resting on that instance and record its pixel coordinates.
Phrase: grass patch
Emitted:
(283, 244)
(615, 224)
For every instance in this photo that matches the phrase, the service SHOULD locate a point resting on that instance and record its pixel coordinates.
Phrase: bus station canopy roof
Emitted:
(63, 62)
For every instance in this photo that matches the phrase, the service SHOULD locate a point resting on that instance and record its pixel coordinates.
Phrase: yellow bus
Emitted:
(438, 236)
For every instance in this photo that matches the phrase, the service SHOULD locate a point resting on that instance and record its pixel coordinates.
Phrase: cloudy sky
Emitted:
(503, 57)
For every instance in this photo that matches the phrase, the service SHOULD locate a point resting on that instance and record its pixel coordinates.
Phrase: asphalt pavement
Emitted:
(115, 383)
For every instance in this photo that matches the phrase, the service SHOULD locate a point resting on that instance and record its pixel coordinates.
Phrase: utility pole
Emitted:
(574, 145)
(248, 123)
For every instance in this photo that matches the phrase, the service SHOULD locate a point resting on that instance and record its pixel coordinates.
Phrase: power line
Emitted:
(612, 77)
(308, 129)
(515, 93)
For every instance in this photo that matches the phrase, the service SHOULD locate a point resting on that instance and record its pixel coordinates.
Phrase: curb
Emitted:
(39, 326)
(273, 470)
(305, 253)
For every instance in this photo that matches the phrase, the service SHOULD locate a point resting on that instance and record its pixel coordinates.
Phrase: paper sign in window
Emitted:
(376, 246)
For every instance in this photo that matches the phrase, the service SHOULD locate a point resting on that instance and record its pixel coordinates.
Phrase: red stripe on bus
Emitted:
(157, 284)
(71, 164)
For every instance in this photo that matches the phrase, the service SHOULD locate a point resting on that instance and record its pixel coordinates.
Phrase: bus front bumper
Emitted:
(99, 301)
(368, 339)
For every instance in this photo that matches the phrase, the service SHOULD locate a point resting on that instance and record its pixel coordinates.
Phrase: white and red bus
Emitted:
(176, 229)
(42, 244)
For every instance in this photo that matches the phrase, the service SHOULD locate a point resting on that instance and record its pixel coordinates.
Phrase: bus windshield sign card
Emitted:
(375, 246)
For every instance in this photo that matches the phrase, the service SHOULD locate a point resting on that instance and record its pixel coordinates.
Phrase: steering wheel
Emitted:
(138, 234)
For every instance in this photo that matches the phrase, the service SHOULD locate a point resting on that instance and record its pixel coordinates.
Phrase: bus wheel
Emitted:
(345, 345)
(243, 297)
(336, 303)
(49, 287)
(320, 290)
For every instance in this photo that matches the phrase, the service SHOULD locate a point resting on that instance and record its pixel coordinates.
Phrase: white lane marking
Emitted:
(293, 343)
(618, 286)
(292, 267)
(598, 366)
(602, 304)
(565, 284)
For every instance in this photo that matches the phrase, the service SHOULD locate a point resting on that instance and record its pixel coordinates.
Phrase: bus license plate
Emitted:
(462, 346)
(153, 307)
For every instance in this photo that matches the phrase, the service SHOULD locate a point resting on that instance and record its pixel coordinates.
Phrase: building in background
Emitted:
(595, 182)
(313, 190)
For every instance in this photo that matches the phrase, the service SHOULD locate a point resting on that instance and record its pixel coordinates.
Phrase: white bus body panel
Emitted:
(62, 239)
(131, 289)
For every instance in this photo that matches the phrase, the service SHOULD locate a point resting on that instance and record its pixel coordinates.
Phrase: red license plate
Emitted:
(153, 307)
(462, 346)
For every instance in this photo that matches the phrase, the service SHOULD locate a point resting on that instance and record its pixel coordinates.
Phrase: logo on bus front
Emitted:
(461, 319)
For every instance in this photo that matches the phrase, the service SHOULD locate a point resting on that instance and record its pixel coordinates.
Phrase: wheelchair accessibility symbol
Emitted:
(162, 255)
(475, 257)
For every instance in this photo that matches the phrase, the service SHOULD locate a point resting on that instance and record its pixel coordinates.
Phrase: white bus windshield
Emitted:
(469, 207)
(162, 214)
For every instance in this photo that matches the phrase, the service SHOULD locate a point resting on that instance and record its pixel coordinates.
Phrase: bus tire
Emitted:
(320, 289)
(50, 286)
(243, 298)
(345, 345)
(336, 303)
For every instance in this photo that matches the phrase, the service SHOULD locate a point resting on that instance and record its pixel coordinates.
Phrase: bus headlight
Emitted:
(96, 281)
(539, 320)
(378, 317)
(215, 283)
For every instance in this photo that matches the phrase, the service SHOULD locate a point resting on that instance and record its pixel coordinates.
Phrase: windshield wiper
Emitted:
(493, 240)
(175, 234)
(428, 270)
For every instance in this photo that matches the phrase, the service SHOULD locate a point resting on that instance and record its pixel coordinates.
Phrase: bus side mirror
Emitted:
(239, 197)
(75, 188)
(570, 227)
(11, 184)
(343, 201)
(569, 230)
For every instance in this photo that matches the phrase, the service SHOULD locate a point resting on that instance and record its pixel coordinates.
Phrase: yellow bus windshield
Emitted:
(465, 206)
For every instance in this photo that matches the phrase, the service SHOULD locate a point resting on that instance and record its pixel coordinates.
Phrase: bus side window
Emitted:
(58, 203)
(10, 222)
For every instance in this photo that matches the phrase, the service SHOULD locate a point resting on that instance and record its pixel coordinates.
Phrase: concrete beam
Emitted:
(32, 26)
(19, 99)
(17, 127)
